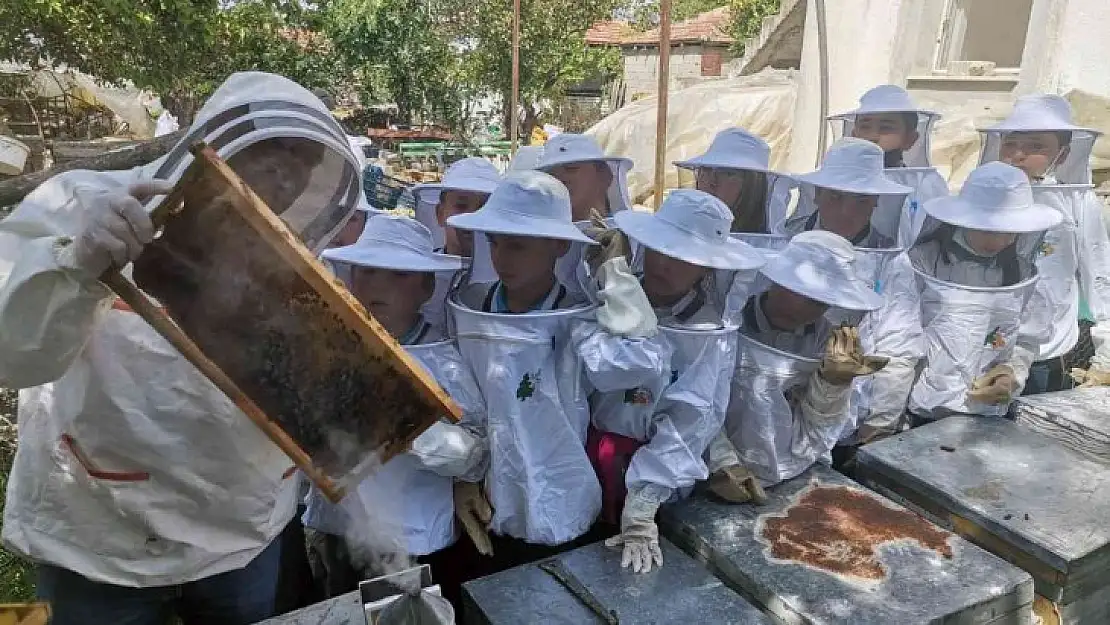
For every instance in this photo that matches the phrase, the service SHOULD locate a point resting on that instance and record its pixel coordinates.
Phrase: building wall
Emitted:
(641, 67)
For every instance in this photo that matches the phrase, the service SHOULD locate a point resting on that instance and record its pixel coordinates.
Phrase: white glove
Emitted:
(625, 310)
(639, 533)
(115, 228)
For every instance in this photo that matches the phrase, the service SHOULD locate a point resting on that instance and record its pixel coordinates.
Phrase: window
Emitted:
(984, 30)
(711, 63)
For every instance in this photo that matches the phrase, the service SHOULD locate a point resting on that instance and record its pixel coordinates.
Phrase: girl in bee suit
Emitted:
(983, 316)
(789, 401)
(464, 189)
(649, 437)
(514, 333)
(393, 269)
(1074, 260)
(853, 196)
(736, 170)
(887, 117)
(138, 488)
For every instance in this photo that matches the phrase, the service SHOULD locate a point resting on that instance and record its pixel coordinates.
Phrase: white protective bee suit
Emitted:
(739, 149)
(783, 415)
(978, 313)
(915, 171)
(132, 468)
(1074, 260)
(540, 483)
(421, 478)
(894, 330)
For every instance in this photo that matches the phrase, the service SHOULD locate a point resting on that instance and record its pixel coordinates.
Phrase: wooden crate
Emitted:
(825, 550)
(1019, 494)
(305, 360)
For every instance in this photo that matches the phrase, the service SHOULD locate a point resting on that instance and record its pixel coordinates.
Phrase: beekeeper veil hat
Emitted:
(1045, 113)
(569, 148)
(472, 175)
(894, 99)
(251, 108)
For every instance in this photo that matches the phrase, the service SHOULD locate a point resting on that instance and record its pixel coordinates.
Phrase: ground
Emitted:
(16, 576)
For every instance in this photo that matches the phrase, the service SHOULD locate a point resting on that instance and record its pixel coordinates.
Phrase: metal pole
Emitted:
(662, 97)
(514, 119)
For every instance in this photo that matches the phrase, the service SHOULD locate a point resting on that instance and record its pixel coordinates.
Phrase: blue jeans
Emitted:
(239, 597)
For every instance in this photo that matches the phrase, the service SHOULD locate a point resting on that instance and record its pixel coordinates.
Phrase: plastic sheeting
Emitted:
(763, 103)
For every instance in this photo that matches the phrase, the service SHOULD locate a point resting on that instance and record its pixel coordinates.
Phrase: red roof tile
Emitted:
(709, 27)
(608, 33)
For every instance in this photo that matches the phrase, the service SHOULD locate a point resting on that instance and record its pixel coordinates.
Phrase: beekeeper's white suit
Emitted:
(894, 330)
(132, 468)
(540, 482)
(783, 416)
(916, 170)
(978, 312)
(1074, 259)
(420, 479)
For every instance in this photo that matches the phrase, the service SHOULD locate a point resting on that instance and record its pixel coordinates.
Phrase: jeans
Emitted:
(239, 597)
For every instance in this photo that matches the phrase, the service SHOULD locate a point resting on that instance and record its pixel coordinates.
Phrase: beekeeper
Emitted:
(514, 334)
(595, 181)
(984, 320)
(526, 157)
(138, 488)
(393, 268)
(465, 187)
(887, 117)
(789, 401)
(649, 439)
(736, 170)
(854, 197)
(1074, 260)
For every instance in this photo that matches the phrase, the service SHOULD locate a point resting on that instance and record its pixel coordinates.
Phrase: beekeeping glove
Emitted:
(639, 533)
(114, 228)
(844, 359)
(475, 514)
(996, 387)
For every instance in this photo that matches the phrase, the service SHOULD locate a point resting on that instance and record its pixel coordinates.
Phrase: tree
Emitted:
(747, 16)
(644, 14)
(553, 51)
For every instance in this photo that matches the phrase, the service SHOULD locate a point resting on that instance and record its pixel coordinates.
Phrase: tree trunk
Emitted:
(529, 122)
(13, 191)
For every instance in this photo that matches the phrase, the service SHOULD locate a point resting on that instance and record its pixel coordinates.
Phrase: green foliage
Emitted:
(17, 578)
(646, 14)
(747, 15)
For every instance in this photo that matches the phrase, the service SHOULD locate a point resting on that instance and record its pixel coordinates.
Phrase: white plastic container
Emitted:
(13, 156)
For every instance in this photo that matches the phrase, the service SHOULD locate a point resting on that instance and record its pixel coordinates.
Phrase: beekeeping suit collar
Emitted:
(251, 107)
(894, 99)
(1045, 113)
(396, 243)
(568, 148)
(821, 266)
(471, 175)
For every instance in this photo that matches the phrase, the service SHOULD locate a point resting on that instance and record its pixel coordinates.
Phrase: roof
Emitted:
(709, 27)
(608, 33)
(424, 134)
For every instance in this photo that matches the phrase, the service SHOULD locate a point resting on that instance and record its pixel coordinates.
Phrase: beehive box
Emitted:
(825, 550)
(1079, 419)
(1016, 493)
(683, 591)
(260, 307)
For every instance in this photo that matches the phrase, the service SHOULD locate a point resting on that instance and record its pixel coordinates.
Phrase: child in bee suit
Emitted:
(736, 170)
(146, 493)
(853, 196)
(649, 439)
(1074, 261)
(464, 189)
(789, 400)
(392, 273)
(887, 117)
(983, 316)
(514, 334)
(595, 181)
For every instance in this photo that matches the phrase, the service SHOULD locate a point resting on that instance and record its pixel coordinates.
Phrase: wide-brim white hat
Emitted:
(894, 99)
(693, 227)
(853, 166)
(568, 148)
(733, 148)
(995, 198)
(396, 243)
(527, 204)
(820, 265)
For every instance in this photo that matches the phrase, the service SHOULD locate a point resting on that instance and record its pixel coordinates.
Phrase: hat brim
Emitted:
(658, 235)
(805, 280)
(717, 163)
(847, 115)
(1007, 125)
(620, 161)
(520, 225)
(427, 190)
(876, 185)
(956, 211)
(392, 258)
